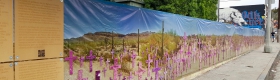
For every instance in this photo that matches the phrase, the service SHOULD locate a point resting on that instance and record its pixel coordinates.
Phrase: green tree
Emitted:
(274, 13)
(205, 9)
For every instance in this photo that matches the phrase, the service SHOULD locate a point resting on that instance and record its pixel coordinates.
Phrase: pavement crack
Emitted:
(250, 66)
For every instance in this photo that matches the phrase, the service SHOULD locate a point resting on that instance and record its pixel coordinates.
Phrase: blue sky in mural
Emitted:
(93, 15)
(89, 16)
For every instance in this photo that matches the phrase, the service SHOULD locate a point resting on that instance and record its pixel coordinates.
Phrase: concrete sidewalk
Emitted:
(252, 66)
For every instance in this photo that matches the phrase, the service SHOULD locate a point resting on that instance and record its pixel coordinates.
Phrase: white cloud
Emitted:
(245, 2)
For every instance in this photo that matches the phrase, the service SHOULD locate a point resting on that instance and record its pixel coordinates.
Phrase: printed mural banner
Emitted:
(111, 41)
(252, 14)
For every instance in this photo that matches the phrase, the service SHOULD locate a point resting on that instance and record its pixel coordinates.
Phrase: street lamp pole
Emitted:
(278, 29)
(267, 47)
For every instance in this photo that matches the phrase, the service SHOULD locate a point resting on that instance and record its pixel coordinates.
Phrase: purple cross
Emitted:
(205, 58)
(178, 62)
(140, 71)
(200, 60)
(161, 78)
(174, 73)
(133, 56)
(169, 66)
(156, 69)
(185, 36)
(173, 58)
(181, 51)
(112, 52)
(149, 61)
(101, 60)
(223, 53)
(90, 58)
(165, 73)
(209, 56)
(124, 78)
(80, 75)
(130, 77)
(199, 42)
(189, 51)
(166, 54)
(184, 64)
(115, 67)
(104, 71)
(107, 62)
(194, 55)
(168, 58)
(71, 58)
(218, 52)
(214, 55)
(120, 75)
(81, 61)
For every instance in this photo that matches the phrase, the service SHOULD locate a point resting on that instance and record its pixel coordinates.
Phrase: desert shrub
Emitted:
(213, 40)
(133, 46)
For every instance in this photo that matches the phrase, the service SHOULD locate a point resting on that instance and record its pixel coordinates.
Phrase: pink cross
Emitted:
(181, 51)
(149, 61)
(107, 62)
(214, 55)
(185, 36)
(81, 61)
(90, 58)
(133, 56)
(104, 71)
(209, 56)
(130, 77)
(80, 75)
(115, 68)
(184, 64)
(200, 60)
(178, 64)
(120, 75)
(194, 55)
(161, 78)
(156, 69)
(71, 58)
(112, 52)
(101, 60)
(124, 78)
(140, 71)
(189, 51)
(165, 73)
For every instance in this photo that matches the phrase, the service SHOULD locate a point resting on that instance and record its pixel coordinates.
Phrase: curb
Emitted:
(268, 74)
